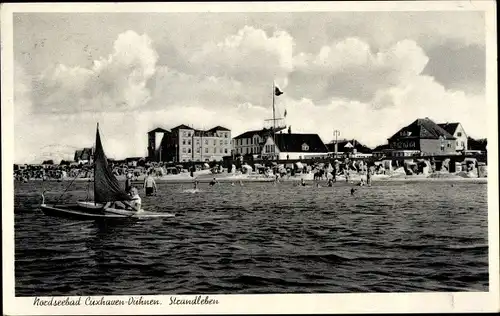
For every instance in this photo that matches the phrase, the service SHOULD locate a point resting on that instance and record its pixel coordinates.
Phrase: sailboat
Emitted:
(106, 189)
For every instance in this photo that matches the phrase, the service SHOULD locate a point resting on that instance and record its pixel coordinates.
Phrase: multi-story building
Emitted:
(155, 146)
(183, 143)
(252, 142)
(457, 130)
(423, 137)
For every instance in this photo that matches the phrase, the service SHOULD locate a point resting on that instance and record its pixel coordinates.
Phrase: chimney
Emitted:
(290, 129)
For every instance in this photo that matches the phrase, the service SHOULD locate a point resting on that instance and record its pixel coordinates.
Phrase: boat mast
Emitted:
(93, 161)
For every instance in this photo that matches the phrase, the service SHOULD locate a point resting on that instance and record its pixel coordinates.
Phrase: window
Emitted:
(189, 134)
(184, 134)
(225, 150)
(197, 142)
(225, 135)
(206, 150)
(206, 141)
(189, 142)
(184, 142)
(198, 150)
(225, 142)
(449, 145)
(221, 142)
(459, 134)
(463, 144)
(184, 150)
(189, 150)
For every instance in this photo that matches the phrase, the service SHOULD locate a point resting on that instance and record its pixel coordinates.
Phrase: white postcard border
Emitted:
(275, 303)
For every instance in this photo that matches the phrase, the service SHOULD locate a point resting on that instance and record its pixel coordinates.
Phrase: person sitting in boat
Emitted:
(213, 182)
(196, 184)
(134, 204)
(149, 184)
(302, 182)
(128, 182)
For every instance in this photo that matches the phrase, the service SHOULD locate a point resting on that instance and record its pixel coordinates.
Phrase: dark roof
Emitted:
(477, 144)
(422, 128)
(159, 130)
(182, 126)
(360, 148)
(293, 143)
(83, 154)
(449, 127)
(381, 147)
(218, 128)
(261, 132)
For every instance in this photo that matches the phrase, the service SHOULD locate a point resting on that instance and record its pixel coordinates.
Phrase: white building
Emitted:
(252, 142)
(458, 132)
(294, 146)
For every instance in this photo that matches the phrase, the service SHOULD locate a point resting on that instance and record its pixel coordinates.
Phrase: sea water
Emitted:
(259, 238)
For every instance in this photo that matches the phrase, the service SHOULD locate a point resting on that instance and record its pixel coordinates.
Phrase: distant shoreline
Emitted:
(354, 179)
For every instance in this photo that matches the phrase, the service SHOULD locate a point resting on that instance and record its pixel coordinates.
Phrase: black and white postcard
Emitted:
(267, 157)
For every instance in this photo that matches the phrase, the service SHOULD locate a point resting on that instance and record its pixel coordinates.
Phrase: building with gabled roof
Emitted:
(83, 155)
(422, 137)
(294, 146)
(456, 130)
(251, 142)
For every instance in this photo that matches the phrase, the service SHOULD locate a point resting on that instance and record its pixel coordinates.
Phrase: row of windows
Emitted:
(269, 148)
(458, 143)
(222, 134)
(188, 150)
(221, 142)
(246, 141)
(248, 150)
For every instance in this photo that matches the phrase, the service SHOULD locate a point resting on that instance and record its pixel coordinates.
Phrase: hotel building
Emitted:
(183, 143)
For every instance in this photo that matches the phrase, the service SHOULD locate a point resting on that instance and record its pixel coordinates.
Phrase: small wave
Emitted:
(473, 246)
(191, 191)
(336, 257)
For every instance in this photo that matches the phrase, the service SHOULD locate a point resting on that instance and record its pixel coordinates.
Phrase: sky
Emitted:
(365, 74)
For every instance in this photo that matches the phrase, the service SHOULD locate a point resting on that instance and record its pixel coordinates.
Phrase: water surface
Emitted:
(260, 238)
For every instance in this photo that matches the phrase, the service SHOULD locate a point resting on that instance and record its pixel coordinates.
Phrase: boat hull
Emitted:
(74, 212)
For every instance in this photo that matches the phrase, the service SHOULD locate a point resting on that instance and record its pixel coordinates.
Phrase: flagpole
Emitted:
(274, 120)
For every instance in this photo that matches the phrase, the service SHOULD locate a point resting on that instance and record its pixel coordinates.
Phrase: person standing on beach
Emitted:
(149, 184)
(369, 176)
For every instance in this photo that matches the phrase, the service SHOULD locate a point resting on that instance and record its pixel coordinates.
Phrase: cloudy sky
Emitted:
(365, 74)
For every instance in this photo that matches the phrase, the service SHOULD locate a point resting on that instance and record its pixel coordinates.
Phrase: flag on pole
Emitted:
(277, 91)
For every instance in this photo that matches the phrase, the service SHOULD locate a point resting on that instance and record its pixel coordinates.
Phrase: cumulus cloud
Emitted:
(350, 69)
(250, 55)
(344, 85)
(117, 82)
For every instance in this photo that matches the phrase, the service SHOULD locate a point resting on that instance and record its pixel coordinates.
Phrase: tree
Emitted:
(48, 162)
